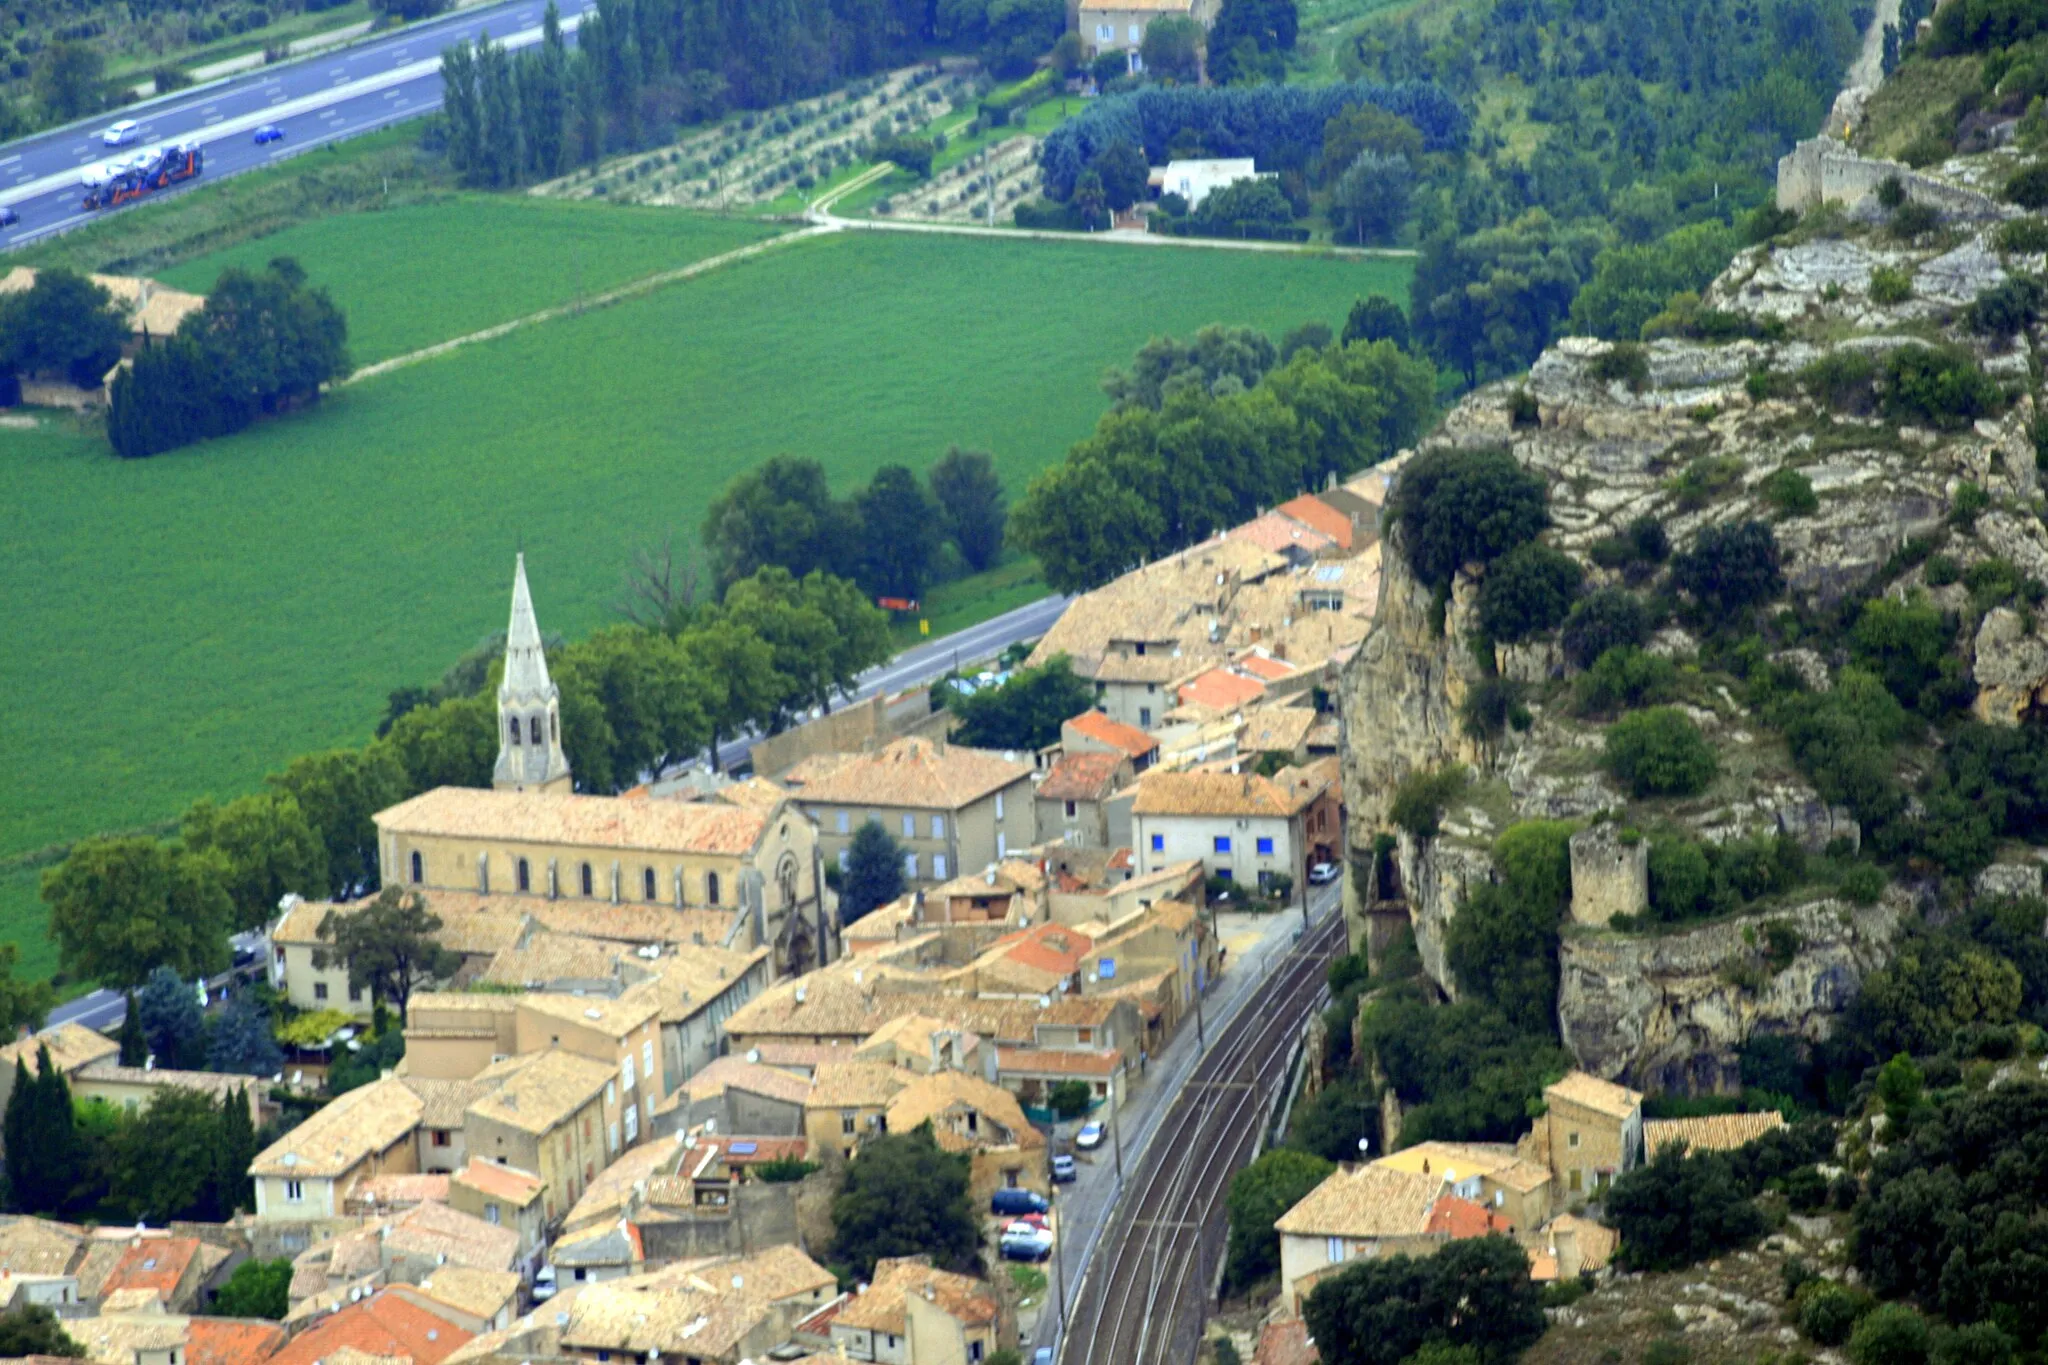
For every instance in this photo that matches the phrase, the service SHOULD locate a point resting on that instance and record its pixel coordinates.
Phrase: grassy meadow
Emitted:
(195, 620)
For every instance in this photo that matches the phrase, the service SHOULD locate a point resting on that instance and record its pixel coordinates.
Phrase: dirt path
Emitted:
(1867, 71)
(630, 289)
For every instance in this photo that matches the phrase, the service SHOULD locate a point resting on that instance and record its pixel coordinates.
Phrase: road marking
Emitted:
(9, 160)
(23, 179)
(279, 98)
(209, 108)
(215, 119)
(394, 94)
(336, 70)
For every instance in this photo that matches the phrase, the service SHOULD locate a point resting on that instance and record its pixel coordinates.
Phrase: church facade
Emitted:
(534, 835)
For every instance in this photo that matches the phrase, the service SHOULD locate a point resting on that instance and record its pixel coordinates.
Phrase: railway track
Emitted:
(1142, 1300)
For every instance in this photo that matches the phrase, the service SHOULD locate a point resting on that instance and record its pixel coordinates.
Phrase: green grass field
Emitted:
(193, 621)
(412, 276)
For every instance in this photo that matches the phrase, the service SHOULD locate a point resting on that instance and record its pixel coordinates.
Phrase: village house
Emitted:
(951, 809)
(503, 1195)
(385, 1324)
(911, 1314)
(970, 1115)
(737, 1095)
(1591, 1132)
(1369, 1212)
(475, 1300)
(1119, 25)
(1074, 801)
(1709, 1133)
(307, 1173)
(644, 1317)
(1094, 732)
(1245, 828)
(549, 1115)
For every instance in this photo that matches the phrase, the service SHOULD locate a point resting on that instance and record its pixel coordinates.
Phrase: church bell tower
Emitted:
(530, 754)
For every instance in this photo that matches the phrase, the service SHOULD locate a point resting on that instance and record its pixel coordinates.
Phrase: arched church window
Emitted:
(535, 728)
(419, 868)
(647, 883)
(515, 730)
(525, 876)
(586, 879)
(711, 887)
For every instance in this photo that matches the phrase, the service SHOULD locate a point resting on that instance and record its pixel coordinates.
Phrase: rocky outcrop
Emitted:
(1670, 1011)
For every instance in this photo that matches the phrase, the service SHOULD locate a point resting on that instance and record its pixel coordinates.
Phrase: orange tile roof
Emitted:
(157, 1264)
(1460, 1218)
(602, 821)
(1280, 534)
(383, 1325)
(231, 1341)
(1310, 510)
(1103, 730)
(501, 1182)
(1286, 1342)
(1267, 667)
(1048, 947)
(1081, 777)
(880, 1309)
(1221, 689)
(1055, 1061)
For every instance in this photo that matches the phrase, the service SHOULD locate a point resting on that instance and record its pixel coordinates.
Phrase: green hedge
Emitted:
(998, 105)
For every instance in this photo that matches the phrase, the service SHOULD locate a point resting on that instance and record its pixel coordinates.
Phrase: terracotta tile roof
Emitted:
(1282, 534)
(1081, 777)
(545, 1093)
(1220, 689)
(382, 1325)
(472, 1289)
(231, 1341)
(1050, 948)
(1100, 728)
(1590, 1092)
(508, 1183)
(635, 924)
(808, 1055)
(1161, 793)
(1048, 1061)
(577, 821)
(855, 1085)
(1087, 1011)
(1369, 1201)
(880, 1309)
(643, 1314)
(619, 1016)
(101, 1256)
(915, 773)
(156, 1265)
(933, 1096)
(1712, 1133)
(547, 957)
(31, 1246)
(737, 1073)
(1461, 1218)
(1313, 512)
(333, 1139)
(1276, 729)
(1285, 1342)
(780, 1272)
(1264, 666)
(690, 979)
(72, 1047)
(439, 1231)
(606, 1198)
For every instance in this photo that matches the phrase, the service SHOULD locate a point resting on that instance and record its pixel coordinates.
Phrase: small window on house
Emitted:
(910, 866)
(1087, 1035)
(939, 866)
(419, 868)
(999, 805)
(1002, 845)
(319, 990)
(648, 888)
(843, 860)
(1576, 1180)
(938, 827)
(280, 957)
(491, 1214)
(1334, 1249)
(1105, 33)
(1144, 717)
(440, 1137)
(355, 994)
(1072, 810)
(910, 826)
(711, 887)
(1266, 847)
(1137, 32)
(849, 1122)
(1159, 843)
(842, 822)
(647, 1060)
(587, 882)
(974, 1351)
(295, 1191)
(626, 1077)
(1572, 1140)
(526, 877)
(1222, 843)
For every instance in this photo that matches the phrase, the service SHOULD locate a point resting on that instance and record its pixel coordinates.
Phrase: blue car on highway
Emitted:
(269, 132)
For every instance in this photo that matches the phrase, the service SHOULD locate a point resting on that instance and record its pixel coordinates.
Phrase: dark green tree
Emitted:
(1370, 201)
(233, 1187)
(257, 1289)
(1474, 1293)
(338, 792)
(1604, 619)
(1660, 752)
(1124, 174)
(265, 849)
(164, 1162)
(874, 872)
(33, 1330)
(63, 324)
(1376, 318)
(1502, 944)
(388, 946)
(900, 524)
(905, 1197)
(44, 1155)
(965, 486)
(67, 80)
(1457, 507)
(736, 669)
(1730, 568)
(1069, 1099)
(240, 1041)
(1172, 49)
(122, 906)
(172, 1021)
(1680, 1208)
(1026, 712)
(134, 1045)
(780, 512)
(1527, 592)
(1259, 1194)
(270, 340)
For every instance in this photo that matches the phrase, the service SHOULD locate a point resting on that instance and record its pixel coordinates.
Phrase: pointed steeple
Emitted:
(530, 756)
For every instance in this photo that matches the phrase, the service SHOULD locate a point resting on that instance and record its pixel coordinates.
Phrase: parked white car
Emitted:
(1090, 1136)
(1322, 873)
(122, 133)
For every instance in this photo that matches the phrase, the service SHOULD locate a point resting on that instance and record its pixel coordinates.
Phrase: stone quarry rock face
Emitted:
(1671, 1009)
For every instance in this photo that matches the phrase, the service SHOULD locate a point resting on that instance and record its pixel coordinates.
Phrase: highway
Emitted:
(1137, 1288)
(316, 99)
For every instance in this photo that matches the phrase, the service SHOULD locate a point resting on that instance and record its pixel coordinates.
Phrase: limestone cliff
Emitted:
(1691, 442)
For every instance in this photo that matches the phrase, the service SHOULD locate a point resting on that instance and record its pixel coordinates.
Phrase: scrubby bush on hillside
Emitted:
(1730, 569)
(1419, 801)
(2028, 186)
(1602, 620)
(1842, 379)
(2012, 305)
(1890, 285)
(1457, 507)
(1680, 1208)
(1527, 592)
(1660, 752)
(1624, 678)
(1790, 493)
(1940, 387)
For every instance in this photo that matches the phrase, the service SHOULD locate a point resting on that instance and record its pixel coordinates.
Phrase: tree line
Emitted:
(1205, 436)
(635, 698)
(891, 537)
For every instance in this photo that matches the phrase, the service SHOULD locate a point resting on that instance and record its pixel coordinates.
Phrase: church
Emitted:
(745, 849)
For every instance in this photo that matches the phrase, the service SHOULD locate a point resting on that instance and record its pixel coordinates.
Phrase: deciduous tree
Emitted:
(874, 872)
(388, 946)
(1259, 1194)
(965, 486)
(122, 906)
(265, 849)
(1026, 712)
(899, 521)
(905, 1197)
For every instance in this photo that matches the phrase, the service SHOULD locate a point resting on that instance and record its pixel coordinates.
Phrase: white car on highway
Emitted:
(122, 133)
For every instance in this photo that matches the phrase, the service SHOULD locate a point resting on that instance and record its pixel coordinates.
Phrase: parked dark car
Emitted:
(269, 132)
(9, 217)
(1018, 1248)
(1010, 1203)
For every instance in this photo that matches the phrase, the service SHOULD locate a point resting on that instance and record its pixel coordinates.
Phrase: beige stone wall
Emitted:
(971, 838)
(318, 988)
(1610, 875)
(567, 1157)
(1822, 170)
(1302, 1257)
(1587, 1150)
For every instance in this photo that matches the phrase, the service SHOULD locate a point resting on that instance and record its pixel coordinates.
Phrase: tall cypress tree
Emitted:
(42, 1139)
(134, 1047)
(16, 1128)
